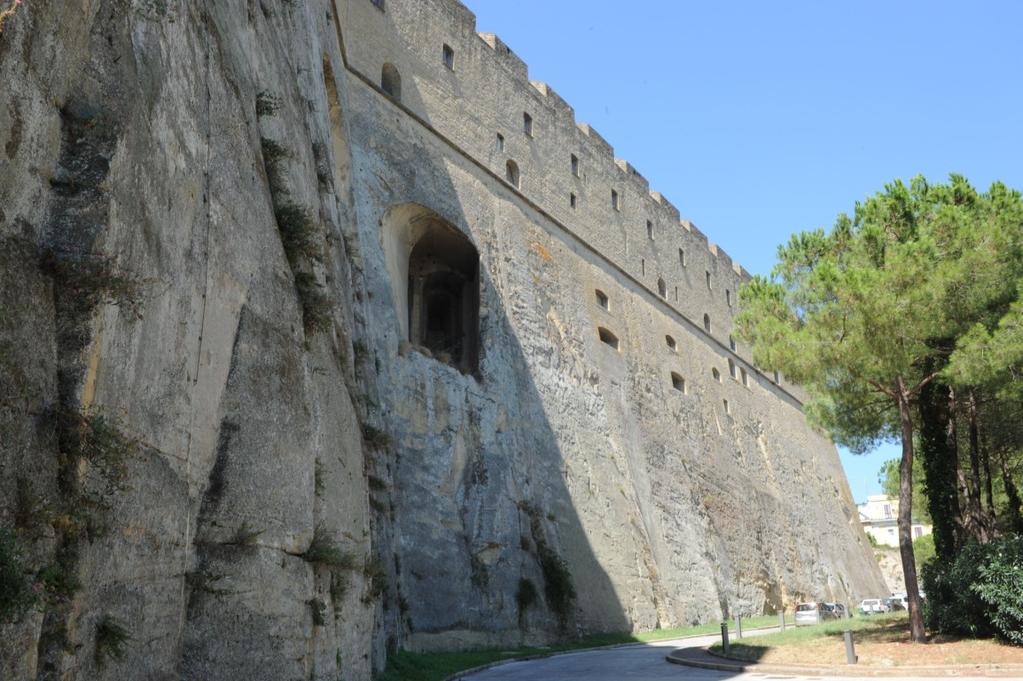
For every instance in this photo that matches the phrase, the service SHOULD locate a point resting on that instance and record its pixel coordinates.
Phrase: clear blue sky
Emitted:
(760, 119)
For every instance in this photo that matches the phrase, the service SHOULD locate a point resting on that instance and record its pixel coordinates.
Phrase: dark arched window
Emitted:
(706, 323)
(677, 382)
(511, 173)
(603, 300)
(607, 338)
(443, 296)
(672, 345)
(662, 288)
(390, 82)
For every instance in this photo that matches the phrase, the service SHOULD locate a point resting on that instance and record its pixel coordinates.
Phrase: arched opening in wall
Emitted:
(607, 338)
(602, 299)
(716, 374)
(672, 345)
(662, 288)
(732, 369)
(434, 271)
(706, 323)
(511, 173)
(678, 383)
(390, 82)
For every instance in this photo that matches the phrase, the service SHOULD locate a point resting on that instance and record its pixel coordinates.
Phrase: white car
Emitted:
(872, 606)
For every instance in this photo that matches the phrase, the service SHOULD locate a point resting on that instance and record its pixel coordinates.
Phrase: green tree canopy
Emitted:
(866, 315)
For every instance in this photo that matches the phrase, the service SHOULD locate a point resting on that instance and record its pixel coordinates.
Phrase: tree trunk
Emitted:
(977, 523)
(985, 455)
(916, 619)
(941, 467)
(1013, 510)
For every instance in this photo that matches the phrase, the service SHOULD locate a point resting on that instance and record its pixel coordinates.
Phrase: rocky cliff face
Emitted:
(220, 457)
(181, 453)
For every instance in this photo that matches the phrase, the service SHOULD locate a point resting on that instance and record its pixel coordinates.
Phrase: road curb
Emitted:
(733, 665)
(554, 653)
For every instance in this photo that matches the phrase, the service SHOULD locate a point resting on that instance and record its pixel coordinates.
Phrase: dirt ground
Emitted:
(890, 647)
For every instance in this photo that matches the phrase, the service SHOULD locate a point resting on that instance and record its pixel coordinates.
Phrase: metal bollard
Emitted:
(738, 626)
(781, 620)
(850, 649)
(724, 637)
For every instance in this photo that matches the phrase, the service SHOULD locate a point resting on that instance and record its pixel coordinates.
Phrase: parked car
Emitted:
(838, 609)
(895, 603)
(815, 613)
(873, 606)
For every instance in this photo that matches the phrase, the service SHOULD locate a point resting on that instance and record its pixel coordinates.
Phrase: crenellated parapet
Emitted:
(473, 89)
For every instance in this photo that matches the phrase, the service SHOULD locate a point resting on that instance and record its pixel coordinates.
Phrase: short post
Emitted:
(850, 649)
(738, 626)
(781, 620)
(724, 637)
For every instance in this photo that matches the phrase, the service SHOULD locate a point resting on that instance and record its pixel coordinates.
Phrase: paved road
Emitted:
(632, 663)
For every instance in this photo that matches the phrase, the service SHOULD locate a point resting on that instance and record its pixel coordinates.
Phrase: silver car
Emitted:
(815, 613)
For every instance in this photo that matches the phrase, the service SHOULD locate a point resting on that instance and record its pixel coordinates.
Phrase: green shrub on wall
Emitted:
(16, 594)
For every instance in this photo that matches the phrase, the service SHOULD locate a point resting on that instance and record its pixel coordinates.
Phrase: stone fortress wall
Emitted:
(676, 481)
(484, 94)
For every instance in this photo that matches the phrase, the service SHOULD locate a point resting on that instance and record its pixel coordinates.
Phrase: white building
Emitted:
(879, 515)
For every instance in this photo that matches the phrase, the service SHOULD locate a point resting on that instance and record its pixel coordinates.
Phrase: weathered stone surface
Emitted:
(154, 159)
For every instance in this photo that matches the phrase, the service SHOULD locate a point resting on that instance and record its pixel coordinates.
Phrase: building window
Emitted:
(500, 142)
(662, 288)
(649, 229)
(728, 297)
(607, 338)
(887, 510)
(571, 200)
(678, 383)
(390, 82)
(575, 165)
(527, 124)
(681, 257)
(728, 409)
(731, 343)
(716, 374)
(642, 266)
(512, 173)
(706, 323)
(615, 203)
(676, 294)
(745, 377)
(603, 300)
(672, 345)
(708, 278)
(732, 370)
(777, 377)
(443, 302)
(448, 55)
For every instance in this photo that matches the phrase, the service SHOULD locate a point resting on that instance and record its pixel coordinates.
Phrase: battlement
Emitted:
(474, 90)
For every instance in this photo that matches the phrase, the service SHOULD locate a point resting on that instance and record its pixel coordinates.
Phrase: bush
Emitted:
(1001, 586)
(111, 637)
(324, 551)
(16, 595)
(978, 594)
(300, 234)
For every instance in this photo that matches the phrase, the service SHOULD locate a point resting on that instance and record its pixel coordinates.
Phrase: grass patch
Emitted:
(405, 666)
(323, 550)
(755, 649)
